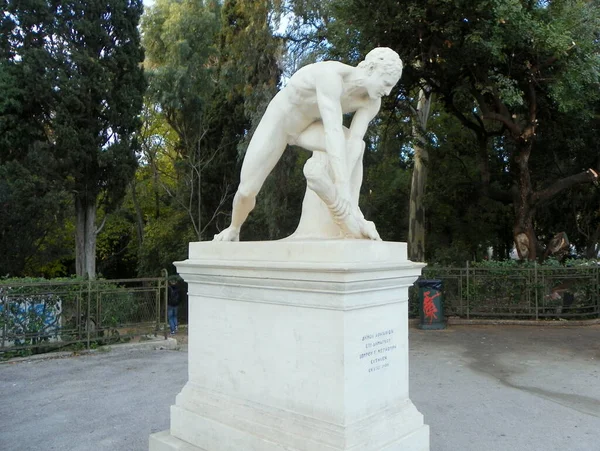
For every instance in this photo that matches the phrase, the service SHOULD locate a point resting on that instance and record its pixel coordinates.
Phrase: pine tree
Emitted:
(78, 84)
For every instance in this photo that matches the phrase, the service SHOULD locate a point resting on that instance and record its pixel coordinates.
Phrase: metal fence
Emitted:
(37, 317)
(537, 292)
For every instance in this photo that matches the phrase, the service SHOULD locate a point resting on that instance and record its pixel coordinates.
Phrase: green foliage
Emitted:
(72, 87)
(166, 241)
(462, 223)
(116, 247)
(32, 210)
(72, 91)
(101, 86)
(279, 204)
(384, 198)
(519, 289)
(181, 61)
(212, 67)
(501, 67)
(119, 307)
(184, 64)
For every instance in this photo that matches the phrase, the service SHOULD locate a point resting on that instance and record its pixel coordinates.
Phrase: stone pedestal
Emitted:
(297, 346)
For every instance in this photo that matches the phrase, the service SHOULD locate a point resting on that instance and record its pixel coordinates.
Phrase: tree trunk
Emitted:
(199, 196)
(526, 200)
(416, 225)
(156, 188)
(523, 233)
(85, 239)
(592, 247)
(139, 217)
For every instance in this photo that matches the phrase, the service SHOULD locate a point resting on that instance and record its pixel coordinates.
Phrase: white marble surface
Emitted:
(308, 112)
(298, 346)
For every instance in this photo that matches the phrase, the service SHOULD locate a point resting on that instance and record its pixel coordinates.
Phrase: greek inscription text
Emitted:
(378, 347)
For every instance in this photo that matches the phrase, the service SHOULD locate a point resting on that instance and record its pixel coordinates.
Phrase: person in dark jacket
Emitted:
(172, 305)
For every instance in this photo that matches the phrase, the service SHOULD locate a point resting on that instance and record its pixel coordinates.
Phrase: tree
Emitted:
(416, 216)
(82, 59)
(31, 210)
(101, 87)
(570, 142)
(32, 203)
(501, 67)
(181, 61)
(210, 67)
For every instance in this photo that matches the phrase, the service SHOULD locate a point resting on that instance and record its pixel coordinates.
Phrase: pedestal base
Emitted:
(297, 346)
(164, 441)
(416, 441)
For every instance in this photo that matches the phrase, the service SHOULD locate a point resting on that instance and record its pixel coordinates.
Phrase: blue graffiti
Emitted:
(28, 320)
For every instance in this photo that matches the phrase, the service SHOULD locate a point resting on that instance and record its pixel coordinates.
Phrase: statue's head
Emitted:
(383, 69)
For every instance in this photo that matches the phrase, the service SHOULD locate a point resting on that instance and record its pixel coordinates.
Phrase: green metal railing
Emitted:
(536, 292)
(38, 317)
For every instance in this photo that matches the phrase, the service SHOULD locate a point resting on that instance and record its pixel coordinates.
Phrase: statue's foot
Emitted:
(229, 234)
(369, 230)
(356, 226)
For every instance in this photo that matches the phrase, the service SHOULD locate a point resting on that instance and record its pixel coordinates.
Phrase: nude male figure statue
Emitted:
(308, 112)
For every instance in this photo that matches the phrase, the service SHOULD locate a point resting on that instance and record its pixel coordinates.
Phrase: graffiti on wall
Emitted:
(29, 320)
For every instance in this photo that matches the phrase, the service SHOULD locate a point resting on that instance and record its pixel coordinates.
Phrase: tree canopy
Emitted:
(492, 132)
(73, 95)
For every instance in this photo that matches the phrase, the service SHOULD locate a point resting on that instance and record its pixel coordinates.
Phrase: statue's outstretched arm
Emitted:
(329, 89)
(355, 146)
(362, 118)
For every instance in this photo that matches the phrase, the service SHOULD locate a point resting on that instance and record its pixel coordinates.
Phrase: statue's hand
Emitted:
(229, 234)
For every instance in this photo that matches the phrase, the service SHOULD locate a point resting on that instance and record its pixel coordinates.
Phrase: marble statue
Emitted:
(308, 113)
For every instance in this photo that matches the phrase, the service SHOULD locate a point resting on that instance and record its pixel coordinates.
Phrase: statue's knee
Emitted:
(313, 170)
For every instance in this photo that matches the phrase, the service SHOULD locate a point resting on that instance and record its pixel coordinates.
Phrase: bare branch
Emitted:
(462, 118)
(187, 208)
(583, 177)
(507, 122)
(504, 118)
(99, 229)
(217, 211)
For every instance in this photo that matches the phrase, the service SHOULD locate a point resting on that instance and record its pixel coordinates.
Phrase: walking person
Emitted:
(172, 305)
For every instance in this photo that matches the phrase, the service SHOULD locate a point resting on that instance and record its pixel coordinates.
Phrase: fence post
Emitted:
(535, 287)
(6, 308)
(79, 313)
(87, 319)
(165, 274)
(468, 293)
(597, 290)
(98, 319)
(461, 292)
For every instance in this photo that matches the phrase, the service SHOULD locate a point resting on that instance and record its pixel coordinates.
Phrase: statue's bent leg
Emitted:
(347, 216)
(264, 151)
(319, 180)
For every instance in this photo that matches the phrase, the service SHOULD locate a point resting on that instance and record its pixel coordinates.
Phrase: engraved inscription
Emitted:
(377, 347)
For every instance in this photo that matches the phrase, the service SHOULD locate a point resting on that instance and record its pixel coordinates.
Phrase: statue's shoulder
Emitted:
(322, 68)
(334, 67)
(328, 74)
